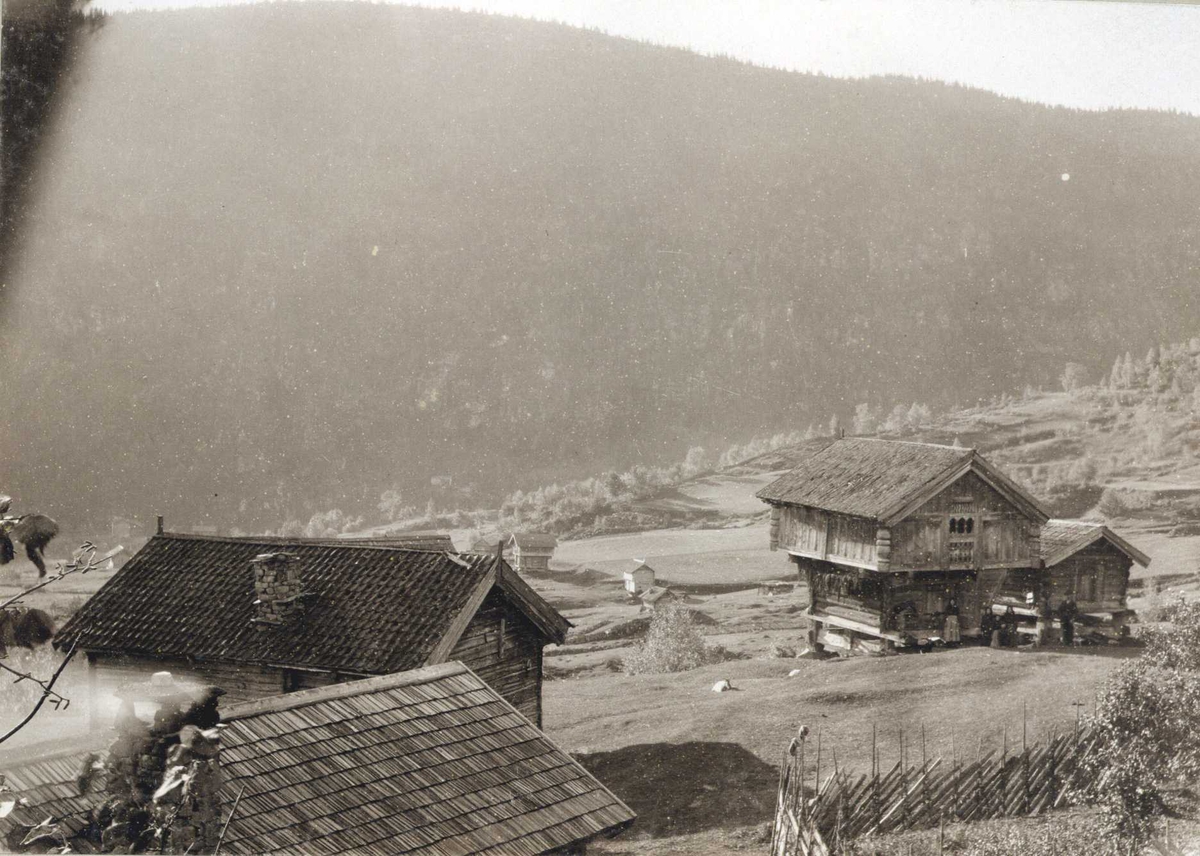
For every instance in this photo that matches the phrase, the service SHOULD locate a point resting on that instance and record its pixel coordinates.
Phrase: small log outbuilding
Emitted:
(893, 538)
(1086, 579)
(262, 616)
(531, 551)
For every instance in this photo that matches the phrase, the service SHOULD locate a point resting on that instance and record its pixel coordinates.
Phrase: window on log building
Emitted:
(962, 532)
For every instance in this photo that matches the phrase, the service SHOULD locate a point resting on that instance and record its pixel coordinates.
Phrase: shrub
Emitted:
(1112, 505)
(1148, 730)
(672, 644)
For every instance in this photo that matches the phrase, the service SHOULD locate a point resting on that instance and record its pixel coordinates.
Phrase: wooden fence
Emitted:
(814, 818)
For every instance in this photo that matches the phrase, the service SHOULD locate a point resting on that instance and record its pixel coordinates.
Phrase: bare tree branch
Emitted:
(45, 685)
(83, 561)
(47, 691)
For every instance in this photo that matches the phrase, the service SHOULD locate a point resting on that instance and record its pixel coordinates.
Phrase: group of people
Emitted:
(1001, 630)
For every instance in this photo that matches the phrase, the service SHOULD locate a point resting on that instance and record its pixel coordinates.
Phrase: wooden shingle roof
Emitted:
(369, 609)
(44, 780)
(534, 542)
(885, 479)
(1064, 538)
(431, 761)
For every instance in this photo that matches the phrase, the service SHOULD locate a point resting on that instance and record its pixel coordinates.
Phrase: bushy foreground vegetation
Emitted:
(1148, 722)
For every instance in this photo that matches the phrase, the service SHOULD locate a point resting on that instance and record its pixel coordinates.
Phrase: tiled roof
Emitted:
(1063, 538)
(876, 478)
(46, 785)
(370, 609)
(534, 541)
(431, 761)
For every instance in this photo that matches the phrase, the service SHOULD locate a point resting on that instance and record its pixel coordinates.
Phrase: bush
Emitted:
(672, 644)
(1148, 730)
(1112, 505)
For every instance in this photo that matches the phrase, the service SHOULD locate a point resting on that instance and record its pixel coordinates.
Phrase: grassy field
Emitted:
(737, 554)
(692, 761)
(721, 493)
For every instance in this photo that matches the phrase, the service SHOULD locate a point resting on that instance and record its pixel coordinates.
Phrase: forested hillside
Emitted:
(501, 253)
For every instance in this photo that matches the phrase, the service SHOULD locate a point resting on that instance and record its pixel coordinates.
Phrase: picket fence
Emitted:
(815, 818)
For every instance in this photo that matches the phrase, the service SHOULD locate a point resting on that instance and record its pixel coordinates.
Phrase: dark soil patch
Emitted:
(682, 788)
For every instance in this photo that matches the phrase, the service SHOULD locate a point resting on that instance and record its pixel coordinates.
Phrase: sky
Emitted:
(1080, 53)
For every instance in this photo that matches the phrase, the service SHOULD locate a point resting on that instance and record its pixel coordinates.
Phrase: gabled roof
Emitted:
(370, 609)
(431, 761)
(886, 480)
(1064, 538)
(533, 542)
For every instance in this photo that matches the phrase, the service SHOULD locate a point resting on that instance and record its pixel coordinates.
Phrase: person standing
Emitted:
(952, 633)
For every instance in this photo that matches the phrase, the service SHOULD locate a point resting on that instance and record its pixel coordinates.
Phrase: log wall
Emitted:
(241, 683)
(505, 649)
(1096, 578)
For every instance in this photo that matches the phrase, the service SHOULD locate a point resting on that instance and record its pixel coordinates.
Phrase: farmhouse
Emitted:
(429, 761)
(531, 551)
(901, 542)
(262, 616)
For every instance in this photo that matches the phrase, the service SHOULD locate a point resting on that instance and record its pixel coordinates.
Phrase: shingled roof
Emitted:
(431, 761)
(370, 609)
(1064, 538)
(885, 479)
(534, 542)
(44, 779)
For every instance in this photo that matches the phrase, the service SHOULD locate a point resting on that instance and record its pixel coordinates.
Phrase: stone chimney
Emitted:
(279, 599)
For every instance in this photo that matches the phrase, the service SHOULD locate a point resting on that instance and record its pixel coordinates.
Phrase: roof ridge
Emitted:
(301, 698)
(276, 540)
(964, 449)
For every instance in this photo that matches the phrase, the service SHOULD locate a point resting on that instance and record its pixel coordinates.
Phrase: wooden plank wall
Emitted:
(505, 649)
(803, 529)
(1001, 532)
(820, 533)
(852, 539)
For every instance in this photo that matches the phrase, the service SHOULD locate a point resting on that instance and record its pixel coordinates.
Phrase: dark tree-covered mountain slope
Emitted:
(282, 257)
